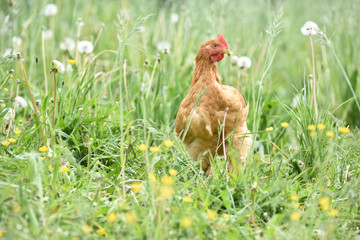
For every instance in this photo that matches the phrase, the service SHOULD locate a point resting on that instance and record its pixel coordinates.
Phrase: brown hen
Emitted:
(203, 131)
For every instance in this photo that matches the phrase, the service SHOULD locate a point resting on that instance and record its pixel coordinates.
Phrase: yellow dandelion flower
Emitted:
(6, 89)
(160, 198)
(152, 177)
(86, 229)
(101, 231)
(225, 216)
(51, 167)
(284, 124)
(142, 147)
(330, 134)
(112, 217)
(16, 208)
(313, 134)
(64, 169)
(295, 197)
(168, 143)
(173, 172)
(5, 143)
(296, 205)
(136, 186)
(154, 149)
(72, 61)
(211, 214)
(187, 199)
(12, 140)
(43, 149)
(42, 158)
(324, 203)
(321, 126)
(63, 188)
(167, 180)
(295, 216)
(130, 217)
(166, 192)
(17, 131)
(344, 130)
(311, 127)
(334, 213)
(186, 222)
(269, 129)
(1, 233)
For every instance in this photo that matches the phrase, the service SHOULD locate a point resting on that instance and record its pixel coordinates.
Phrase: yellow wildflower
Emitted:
(6, 89)
(51, 167)
(166, 192)
(168, 143)
(86, 229)
(284, 124)
(321, 126)
(142, 147)
(130, 217)
(225, 216)
(330, 134)
(296, 205)
(154, 149)
(12, 140)
(295, 197)
(334, 213)
(152, 177)
(324, 203)
(17, 131)
(295, 216)
(42, 158)
(1, 233)
(211, 214)
(136, 186)
(311, 127)
(173, 172)
(186, 222)
(344, 130)
(5, 143)
(112, 217)
(64, 169)
(16, 208)
(72, 61)
(313, 134)
(101, 231)
(167, 180)
(43, 149)
(63, 188)
(187, 199)
(269, 129)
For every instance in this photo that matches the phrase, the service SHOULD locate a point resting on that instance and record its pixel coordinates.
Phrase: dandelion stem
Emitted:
(313, 78)
(53, 113)
(44, 62)
(32, 99)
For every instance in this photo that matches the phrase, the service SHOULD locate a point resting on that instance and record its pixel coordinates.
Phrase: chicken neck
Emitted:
(205, 71)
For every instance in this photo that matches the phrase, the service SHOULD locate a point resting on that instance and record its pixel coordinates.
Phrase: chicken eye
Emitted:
(214, 45)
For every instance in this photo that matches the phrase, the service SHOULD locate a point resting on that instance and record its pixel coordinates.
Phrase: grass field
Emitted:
(103, 161)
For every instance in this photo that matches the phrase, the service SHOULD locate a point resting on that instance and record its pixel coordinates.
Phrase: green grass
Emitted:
(112, 101)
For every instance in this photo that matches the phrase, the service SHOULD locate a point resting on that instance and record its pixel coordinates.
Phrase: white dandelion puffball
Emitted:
(234, 60)
(20, 102)
(48, 34)
(163, 46)
(16, 42)
(50, 10)
(174, 17)
(9, 53)
(58, 66)
(67, 44)
(85, 47)
(309, 28)
(244, 62)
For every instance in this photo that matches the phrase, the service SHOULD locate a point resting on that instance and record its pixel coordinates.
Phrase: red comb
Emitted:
(222, 40)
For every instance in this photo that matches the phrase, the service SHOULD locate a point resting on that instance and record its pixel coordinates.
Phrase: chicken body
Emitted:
(203, 139)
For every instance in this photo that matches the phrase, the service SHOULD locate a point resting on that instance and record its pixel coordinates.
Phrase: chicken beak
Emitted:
(225, 51)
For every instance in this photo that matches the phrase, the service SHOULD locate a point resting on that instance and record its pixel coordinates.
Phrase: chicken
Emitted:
(202, 128)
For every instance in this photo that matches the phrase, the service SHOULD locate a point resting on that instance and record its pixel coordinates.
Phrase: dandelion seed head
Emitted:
(16, 41)
(234, 60)
(48, 34)
(9, 115)
(244, 62)
(163, 47)
(57, 66)
(50, 10)
(309, 28)
(8, 53)
(174, 18)
(67, 44)
(20, 102)
(85, 47)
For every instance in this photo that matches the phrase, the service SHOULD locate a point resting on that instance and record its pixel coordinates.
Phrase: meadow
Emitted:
(87, 145)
